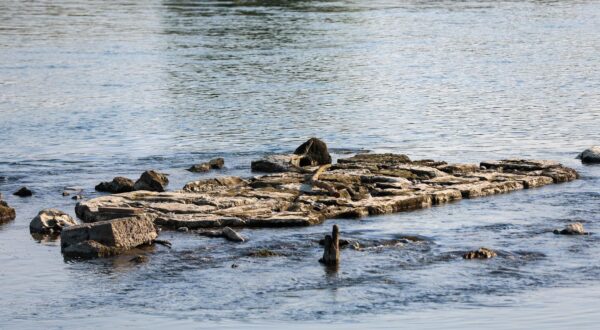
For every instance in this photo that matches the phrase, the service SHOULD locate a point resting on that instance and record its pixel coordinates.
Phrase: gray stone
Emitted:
(232, 235)
(590, 156)
(106, 238)
(50, 221)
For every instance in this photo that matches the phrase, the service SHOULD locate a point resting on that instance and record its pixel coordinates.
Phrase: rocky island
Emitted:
(306, 189)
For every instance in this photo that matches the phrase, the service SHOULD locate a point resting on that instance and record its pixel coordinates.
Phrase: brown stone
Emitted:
(118, 185)
(152, 181)
(7, 213)
(482, 253)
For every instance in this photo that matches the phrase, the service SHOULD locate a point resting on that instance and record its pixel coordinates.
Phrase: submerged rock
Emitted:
(263, 253)
(590, 156)
(106, 238)
(139, 259)
(152, 181)
(23, 192)
(50, 221)
(118, 185)
(7, 213)
(571, 229)
(482, 253)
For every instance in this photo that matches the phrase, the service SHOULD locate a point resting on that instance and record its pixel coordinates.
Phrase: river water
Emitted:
(94, 89)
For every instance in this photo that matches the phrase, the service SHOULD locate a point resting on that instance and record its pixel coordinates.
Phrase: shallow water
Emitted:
(90, 90)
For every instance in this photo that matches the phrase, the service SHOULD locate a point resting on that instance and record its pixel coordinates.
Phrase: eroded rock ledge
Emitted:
(362, 185)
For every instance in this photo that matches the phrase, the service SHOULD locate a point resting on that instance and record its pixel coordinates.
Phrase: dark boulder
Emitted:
(590, 156)
(313, 152)
(151, 181)
(217, 163)
(118, 185)
(23, 192)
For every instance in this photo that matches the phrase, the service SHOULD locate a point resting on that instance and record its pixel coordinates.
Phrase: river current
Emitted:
(94, 89)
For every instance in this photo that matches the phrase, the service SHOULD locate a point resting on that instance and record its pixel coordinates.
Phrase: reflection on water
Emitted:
(91, 90)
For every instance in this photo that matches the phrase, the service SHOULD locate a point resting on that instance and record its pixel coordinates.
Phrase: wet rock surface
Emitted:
(50, 221)
(118, 185)
(23, 192)
(7, 213)
(571, 229)
(590, 156)
(482, 253)
(358, 186)
(152, 181)
(107, 238)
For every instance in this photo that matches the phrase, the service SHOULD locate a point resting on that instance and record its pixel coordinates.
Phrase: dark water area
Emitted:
(90, 90)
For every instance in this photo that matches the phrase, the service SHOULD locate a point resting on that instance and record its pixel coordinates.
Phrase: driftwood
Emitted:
(331, 252)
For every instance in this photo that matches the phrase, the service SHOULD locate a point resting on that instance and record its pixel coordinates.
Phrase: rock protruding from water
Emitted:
(331, 249)
(571, 229)
(152, 181)
(118, 185)
(23, 192)
(7, 213)
(482, 253)
(311, 153)
(358, 186)
(215, 164)
(50, 221)
(590, 156)
(107, 238)
(232, 235)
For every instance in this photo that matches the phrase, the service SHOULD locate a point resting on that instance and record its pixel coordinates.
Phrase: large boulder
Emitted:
(313, 152)
(152, 180)
(118, 185)
(590, 156)
(7, 213)
(50, 221)
(106, 238)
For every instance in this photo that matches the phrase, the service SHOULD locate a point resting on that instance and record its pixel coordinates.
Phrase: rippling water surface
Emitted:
(94, 89)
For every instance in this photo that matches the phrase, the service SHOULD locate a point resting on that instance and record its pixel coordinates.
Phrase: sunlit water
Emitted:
(94, 89)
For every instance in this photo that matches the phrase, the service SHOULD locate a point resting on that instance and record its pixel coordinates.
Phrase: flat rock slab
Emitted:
(106, 238)
(362, 185)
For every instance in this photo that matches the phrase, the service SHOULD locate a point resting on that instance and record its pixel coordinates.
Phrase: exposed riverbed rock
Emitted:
(590, 156)
(152, 181)
(311, 153)
(7, 213)
(50, 221)
(118, 185)
(571, 229)
(482, 253)
(107, 238)
(23, 192)
(362, 185)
